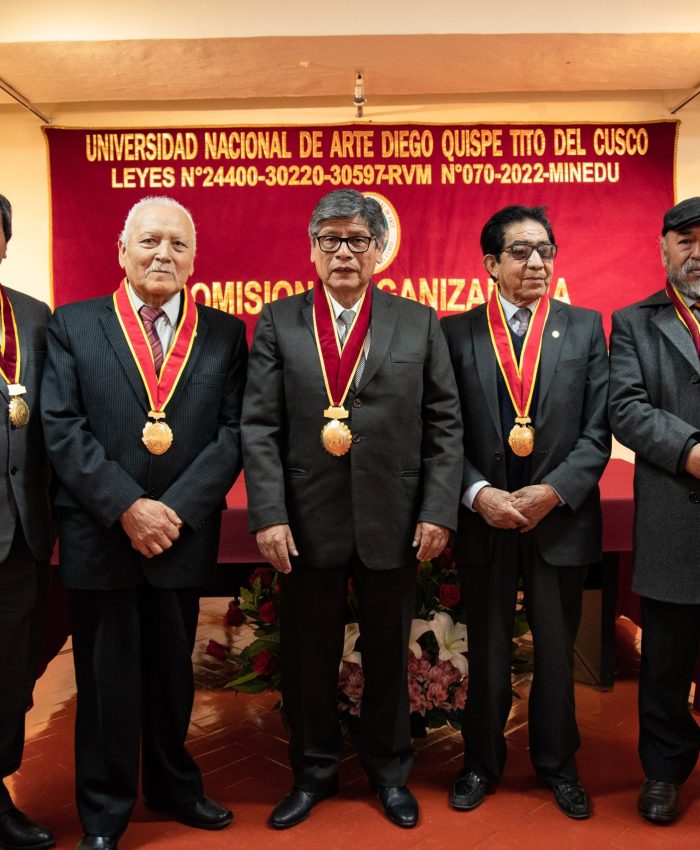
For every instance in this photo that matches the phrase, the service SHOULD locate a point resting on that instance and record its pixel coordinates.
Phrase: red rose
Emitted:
(267, 612)
(265, 574)
(265, 663)
(216, 650)
(449, 595)
(234, 616)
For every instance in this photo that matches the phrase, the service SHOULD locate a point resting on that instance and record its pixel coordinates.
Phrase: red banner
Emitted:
(251, 191)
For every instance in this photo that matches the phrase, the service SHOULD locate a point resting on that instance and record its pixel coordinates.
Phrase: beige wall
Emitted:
(24, 175)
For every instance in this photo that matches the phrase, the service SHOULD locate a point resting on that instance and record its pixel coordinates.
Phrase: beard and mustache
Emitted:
(680, 277)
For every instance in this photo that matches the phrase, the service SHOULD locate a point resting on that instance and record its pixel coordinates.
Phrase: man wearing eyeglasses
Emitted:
(533, 380)
(352, 450)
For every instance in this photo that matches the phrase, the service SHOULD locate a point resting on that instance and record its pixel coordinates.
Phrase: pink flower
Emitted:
(267, 612)
(437, 694)
(265, 663)
(265, 574)
(449, 595)
(216, 650)
(459, 698)
(234, 616)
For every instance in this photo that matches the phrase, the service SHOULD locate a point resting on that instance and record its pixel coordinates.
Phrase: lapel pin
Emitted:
(555, 334)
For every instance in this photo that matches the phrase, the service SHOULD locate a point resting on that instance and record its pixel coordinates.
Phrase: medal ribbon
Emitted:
(9, 351)
(519, 377)
(159, 389)
(339, 364)
(685, 314)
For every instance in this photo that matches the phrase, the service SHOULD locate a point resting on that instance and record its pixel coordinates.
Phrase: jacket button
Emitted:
(695, 379)
(694, 497)
(357, 402)
(498, 455)
(356, 438)
(13, 470)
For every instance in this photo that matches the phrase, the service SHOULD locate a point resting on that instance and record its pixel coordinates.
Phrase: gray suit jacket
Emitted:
(404, 464)
(655, 410)
(572, 442)
(94, 407)
(24, 493)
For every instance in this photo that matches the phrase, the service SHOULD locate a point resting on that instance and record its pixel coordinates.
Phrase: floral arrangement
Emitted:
(437, 665)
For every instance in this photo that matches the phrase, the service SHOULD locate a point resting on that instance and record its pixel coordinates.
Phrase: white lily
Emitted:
(418, 628)
(352, 632)
(452, 640)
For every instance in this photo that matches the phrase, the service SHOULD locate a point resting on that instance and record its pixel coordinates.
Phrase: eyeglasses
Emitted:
(357, 244)
(523, 250)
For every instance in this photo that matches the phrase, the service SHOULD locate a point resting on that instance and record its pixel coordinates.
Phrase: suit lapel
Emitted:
(197, 345)
(667, 321)
(382, 322)
(115, 336)
(552, 340)
(308, 313)
(487, 367)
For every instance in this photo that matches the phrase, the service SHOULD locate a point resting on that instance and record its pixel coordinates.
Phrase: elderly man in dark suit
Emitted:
(25, 537)
(363, 495)
(141, 402)
(655, 410)
(533, 379)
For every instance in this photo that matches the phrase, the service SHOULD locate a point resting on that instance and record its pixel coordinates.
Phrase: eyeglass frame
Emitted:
(341, 240)
(532, 248)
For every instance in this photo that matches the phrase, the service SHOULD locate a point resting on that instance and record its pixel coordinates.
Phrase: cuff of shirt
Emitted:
(470, 493)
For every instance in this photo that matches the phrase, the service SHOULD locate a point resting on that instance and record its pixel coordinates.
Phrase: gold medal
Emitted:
(18, 412)
(336, 438)
(522, 436)
(157, 436)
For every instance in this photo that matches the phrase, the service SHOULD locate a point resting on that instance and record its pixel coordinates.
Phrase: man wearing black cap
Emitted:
(655, 410)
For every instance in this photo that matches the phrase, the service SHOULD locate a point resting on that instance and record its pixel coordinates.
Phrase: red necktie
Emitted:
(149, 316)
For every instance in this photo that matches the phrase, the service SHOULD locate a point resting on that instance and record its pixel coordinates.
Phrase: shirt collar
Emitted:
(171, 308)
(338, 308)
(510, 309)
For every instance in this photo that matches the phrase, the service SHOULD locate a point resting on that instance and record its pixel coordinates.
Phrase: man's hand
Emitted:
(430, 539)
(151, 526)
(692, 461)
(534, 502)
(498, 508)
(276, 544)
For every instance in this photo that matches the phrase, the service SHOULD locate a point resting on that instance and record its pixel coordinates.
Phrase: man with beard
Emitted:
(655, 410)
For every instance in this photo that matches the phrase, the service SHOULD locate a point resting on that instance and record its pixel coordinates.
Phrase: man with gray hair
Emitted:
(655, 410)
(25, 536)
(141, 404)
(352, 444)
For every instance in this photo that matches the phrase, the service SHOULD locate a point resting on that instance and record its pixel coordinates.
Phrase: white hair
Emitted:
(154, 199)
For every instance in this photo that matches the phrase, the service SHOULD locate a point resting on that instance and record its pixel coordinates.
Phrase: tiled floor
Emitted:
(240, 746)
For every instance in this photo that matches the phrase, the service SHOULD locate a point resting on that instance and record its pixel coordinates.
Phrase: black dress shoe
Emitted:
(399, 805)
(17, 832)
(204, 813)
(659, 802)
(469, 791)
(296, 806)
(97, 842)
(572, 799)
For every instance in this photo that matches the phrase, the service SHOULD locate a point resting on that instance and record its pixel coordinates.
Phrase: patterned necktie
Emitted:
(346, 318)
(149, 316)
(523, 316)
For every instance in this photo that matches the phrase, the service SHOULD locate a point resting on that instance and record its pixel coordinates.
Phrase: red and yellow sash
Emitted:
(339, 364)
(158, 388)
(519, 377)
(10, 357)
(685, 314)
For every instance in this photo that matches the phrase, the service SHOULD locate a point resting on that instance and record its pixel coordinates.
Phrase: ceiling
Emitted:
(147, 51)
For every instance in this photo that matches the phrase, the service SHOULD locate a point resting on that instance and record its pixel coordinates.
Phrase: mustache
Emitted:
(158, 270)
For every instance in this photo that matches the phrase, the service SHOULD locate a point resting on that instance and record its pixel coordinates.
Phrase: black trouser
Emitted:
(553, 604)
(669, 737)
(132, 651)
(314, 604)
(19, 643)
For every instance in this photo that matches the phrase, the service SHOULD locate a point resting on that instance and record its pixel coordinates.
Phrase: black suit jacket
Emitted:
(94, 407)
(24, 496)
(655, 410)
(405, 461)
(572, 442)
